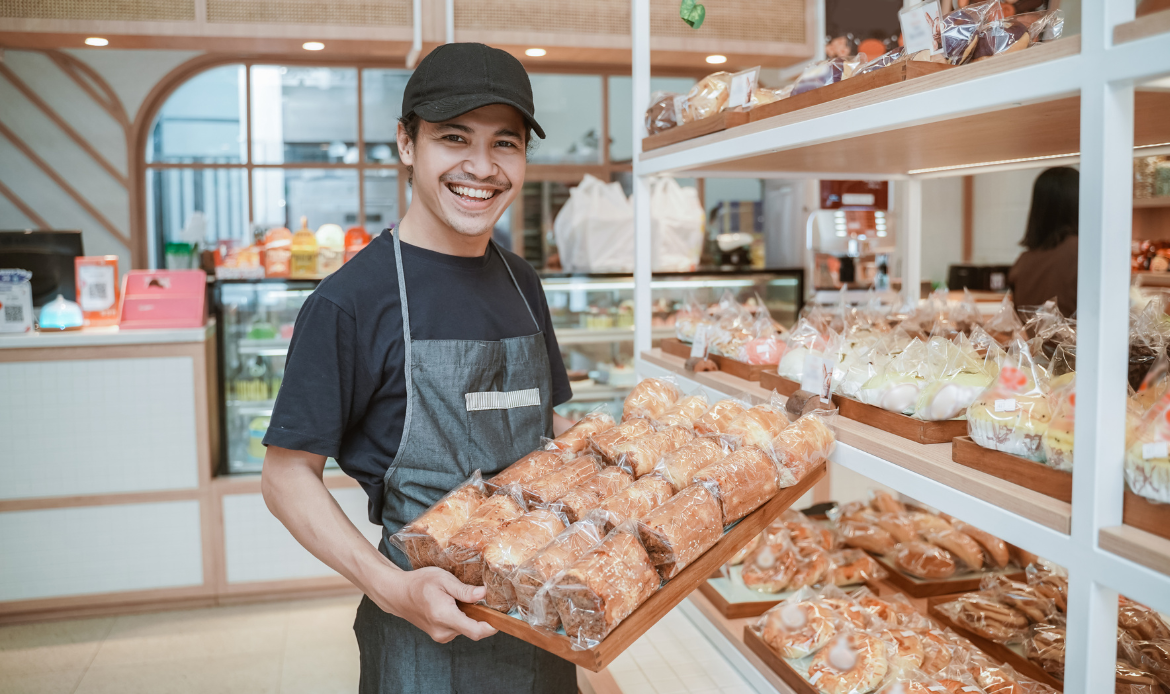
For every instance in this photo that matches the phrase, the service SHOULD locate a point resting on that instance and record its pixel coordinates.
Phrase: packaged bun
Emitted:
(424, 540)
(535, 465)
(641, 454)
(1147, 462)
(534, 575)
(604, 587)
(576, 439)
(769, 567)
(758, 426)
(743, 481)
(514, 544)
(465, 549)
(987, 617)
(1012, 415)
(960, 545)
(589, 494)
(717, 419)
(633, 502)
(663, 114)
(681, 529)
(801, 447)
(854, 662)
(898, 526)
(684, 412)
(708, 97)
(1045, 647)
(605, 442)
(867, 536)
(994, 548)
(651, 398)
(924, 560)
(884, 502)
(547, 489)
(679, 466)
(799, 626)
(853, 566)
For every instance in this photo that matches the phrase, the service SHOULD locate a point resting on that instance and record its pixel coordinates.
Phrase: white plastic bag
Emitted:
(676, 225)
(595, 228)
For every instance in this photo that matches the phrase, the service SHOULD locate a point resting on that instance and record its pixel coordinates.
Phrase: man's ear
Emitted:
(405, 147)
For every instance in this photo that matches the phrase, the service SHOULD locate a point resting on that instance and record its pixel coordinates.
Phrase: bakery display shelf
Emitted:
(584, 336)
(734, 600)
(739, 369)
(929, 588)
(1143, 514)
(717, 123)
(661, 602)
(1027, 473)
(1013, 656)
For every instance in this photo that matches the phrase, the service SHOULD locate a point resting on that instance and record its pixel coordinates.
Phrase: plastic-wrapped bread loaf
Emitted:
(516, 541)
(801, 447)
(589, 494)
(651, 398)
(532, 578)
(547, 489)
(717, 419)
(680, 530)
(465, 550)
(533, 466)
(758, 426)
(605, 442)
(642, 453)
(679, 466)
(742, 482)
(576, 439)
(604, 587)
(633, 502)
(424, 540)
(684, 412)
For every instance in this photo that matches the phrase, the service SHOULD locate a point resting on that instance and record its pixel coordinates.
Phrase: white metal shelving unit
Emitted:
(1072, 100)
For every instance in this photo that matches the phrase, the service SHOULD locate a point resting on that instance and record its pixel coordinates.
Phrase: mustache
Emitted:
(500, 183)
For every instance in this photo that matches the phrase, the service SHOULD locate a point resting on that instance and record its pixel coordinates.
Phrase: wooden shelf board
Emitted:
(1149, 25)
(1160, 201)
(1138, 546)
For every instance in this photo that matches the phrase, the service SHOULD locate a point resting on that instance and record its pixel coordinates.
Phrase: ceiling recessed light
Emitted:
(535, 52)
(716, 59)
(96, 41)
(313, 46)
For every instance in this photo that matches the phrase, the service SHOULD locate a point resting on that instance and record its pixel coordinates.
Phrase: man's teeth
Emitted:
(473, 192)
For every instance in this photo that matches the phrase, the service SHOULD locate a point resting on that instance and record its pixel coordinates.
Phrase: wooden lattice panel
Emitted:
(126, 10)
(355, 13)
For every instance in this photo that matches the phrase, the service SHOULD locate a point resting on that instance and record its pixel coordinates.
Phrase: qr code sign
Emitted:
(13, 313)
(99, 291)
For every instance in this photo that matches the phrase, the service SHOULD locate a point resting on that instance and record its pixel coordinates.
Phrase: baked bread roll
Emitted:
(1022, 557)
(1131, 679)
(898, 526)
(769, 568)
(650, 399)
(867, 536)
(910, 648)
(576, 439)
(739, 557)
(801, 447)
(854, 662)
(928, 522)
(681, 529)
(533, 466)
(987, 617)
(936, 653)
(642, 453)
(1140, 622)
(678, 467)
(962, 546)
(465, 550)
(743, 481)
(589, 494)
(853, 566)
(604, 587)
(717, 419)
(798, 629)
(547, 489)
(884, 502)
(995, 548)
(812, 567)
(707, 97)
(605, 442)
(1023, 597)
(532, 578)
(894, 609)
(804, 532)
(1046, 649)
(1051, 585)
(684, 412)
(850, 610)
(424, 540)
(516, 541)
(924, 560)
(633, 502)
(758, 426)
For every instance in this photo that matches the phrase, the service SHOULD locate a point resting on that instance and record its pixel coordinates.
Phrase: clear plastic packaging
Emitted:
(721, 415)
(885, 60)
(895, 386)
(758, 426)
(708, 97)
(514, 544)
(898, 525)
(464, 554)
(799, 626)
(1153, 656)
(893, 610)
(805, 338)
(687, 320)
(641, 454)
(1050, 581)
(424, 540)
(1132, 679)
(961, 546)
(531, 467)
(884, 502)
(679, 466)
(650, 399)
(743, 481)
(576, 439)
(633, 502)
(1002, 36)
(800, 447)
(924, 560)
(812, 567)
(960, 29)
(957, 375)
(547, 489)
(604, 443)
(1012, 414)
(987, 617)
(664, 112)
(1147, 457)
(604, 587)
(1045, 647)
(532, 578)
(867, 536)
(824, 73)
(1058, 437)
(854, 662)
(592, 492)
(684, 412)
(1005, 324)
(1140, 622)
(771, 564)
(995, 550)
(681, 529)
(1030, 602)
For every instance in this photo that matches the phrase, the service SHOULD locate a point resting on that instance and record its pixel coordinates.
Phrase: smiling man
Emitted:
(426, 357)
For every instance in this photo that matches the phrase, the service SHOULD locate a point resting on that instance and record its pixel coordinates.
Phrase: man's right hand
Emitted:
(426, 598)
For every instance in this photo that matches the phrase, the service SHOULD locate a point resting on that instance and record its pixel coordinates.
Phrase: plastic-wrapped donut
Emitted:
(854, 663)
(798, 629)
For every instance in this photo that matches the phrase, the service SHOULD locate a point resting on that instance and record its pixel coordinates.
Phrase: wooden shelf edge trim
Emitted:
(1138, 546)
(1140, 28)
(112, 499)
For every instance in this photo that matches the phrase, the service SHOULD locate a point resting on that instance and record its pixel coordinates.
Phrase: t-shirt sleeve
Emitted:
(561, 392)
(317, 397)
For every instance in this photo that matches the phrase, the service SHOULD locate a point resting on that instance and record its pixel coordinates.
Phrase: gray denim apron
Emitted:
(470, 405)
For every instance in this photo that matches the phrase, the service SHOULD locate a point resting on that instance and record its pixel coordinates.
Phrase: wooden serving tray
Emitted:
(770, 380)
(854, 85)
(1000, 652)
(739, 369)
(900, 425)
(1027, 473)
(720, 121)
(1143, 514)
(779, 666)
(923, 588)
(663, 601)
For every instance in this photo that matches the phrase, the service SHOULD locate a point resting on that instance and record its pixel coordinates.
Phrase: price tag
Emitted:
(699, 346)
(816, 676)
(742, 86)
(919, 24)
(1157, 449)
(1008, 405)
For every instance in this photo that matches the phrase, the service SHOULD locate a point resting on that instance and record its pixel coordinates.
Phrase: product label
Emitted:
(699, 346)
(16, 307)
(816, 676)
(1008, 405)
(817, 376)
(1157, 449)
(95, 291)
(920, 26)
(742, 86)
(680, 105)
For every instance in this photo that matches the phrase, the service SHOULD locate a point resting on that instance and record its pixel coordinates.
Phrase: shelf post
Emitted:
(912, 261)
(640, 27)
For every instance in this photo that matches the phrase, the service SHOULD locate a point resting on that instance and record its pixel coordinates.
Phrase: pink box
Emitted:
(164, 299)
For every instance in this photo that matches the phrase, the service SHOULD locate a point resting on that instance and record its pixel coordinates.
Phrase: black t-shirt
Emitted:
(344, 392)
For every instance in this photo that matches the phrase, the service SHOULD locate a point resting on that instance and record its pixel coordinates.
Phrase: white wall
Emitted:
(942, 226)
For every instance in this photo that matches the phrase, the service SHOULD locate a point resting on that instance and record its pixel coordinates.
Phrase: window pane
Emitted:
(202, 121)
(569, 109)
(621, 147)
(304, 114)
(381, 199)
(175, 198)
(381, 107)
(282, 196)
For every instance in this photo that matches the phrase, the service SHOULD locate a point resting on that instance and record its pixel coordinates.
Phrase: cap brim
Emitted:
(453, 107)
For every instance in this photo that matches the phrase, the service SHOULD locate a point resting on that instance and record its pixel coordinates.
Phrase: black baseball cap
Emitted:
(459, 77)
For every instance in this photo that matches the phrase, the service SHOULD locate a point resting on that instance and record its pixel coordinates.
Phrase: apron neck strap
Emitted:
(516, 284)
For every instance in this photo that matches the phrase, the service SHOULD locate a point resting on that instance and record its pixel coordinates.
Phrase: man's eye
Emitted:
(453, 138)
(506, 143)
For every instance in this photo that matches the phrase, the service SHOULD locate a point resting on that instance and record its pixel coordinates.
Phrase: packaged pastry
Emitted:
(547, 489)
(464, 556)
(801, 447)
(424, 540)
(771, 564)
(987, 617)
(812, 567)
(738, 557)
(1140, 622)
(924, 560)
(1058, 437)
(605, 442)
(1045, 647)
(758, 426)
(956, 376)
(824, 73)
(533, 466)
(604, 587)
(936, 652)
(1131, 679)
(1147, 458)
(717, 419)
(959, 545)
(852, 566)
(1152, 656)
(1001, 36)
(532, 578)
(1012, 414)
(679, 466)
(743, 481)
(907, 644)
(1049, 581)
(708, 97)
(589, 494)
(867, 536)
(896, 385)
(898, 526)
(854, 661)
(1037, 607)
(884, 502)
(576, 439)
(885, 60)
(681, 529)
(651, 398)
(684, 412)
(799, 626)
(514, 544)
(893, 610)
(995, 549)
(960, 29)
(664, 113)
(927, 523)
(641, 454)
(633, 502)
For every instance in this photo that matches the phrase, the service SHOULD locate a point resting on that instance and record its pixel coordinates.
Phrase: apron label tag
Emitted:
(499, 400)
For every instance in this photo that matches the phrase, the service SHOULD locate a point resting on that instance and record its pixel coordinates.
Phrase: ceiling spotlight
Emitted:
(313, 46)
(716, 59)
(535, 52)
(96, 41)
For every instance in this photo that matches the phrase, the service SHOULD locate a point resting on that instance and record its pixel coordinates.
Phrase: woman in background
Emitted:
(1048, 269)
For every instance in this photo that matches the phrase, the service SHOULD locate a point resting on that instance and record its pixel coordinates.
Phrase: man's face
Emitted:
(467, 170)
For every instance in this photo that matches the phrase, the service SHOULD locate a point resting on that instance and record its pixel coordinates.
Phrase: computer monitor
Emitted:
(48, 255)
